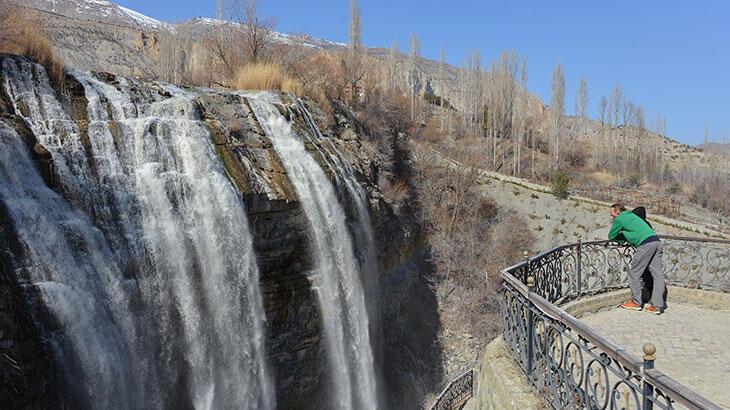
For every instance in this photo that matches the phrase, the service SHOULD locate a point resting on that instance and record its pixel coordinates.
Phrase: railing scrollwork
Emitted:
(456, 393)
(570, 364)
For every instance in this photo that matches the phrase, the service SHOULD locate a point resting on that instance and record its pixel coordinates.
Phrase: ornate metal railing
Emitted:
(570, 364)
(455, 395)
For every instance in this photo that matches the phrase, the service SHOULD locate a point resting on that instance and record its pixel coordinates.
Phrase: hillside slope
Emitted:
(99, 35)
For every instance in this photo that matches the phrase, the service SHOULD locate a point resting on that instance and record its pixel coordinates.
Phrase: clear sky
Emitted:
(671, 57)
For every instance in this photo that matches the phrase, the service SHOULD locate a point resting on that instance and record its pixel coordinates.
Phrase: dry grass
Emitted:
(603, 177)
(22, 34)
(395, 192)
(266, 76)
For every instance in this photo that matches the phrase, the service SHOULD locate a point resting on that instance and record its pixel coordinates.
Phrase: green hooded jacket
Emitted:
(627, 227)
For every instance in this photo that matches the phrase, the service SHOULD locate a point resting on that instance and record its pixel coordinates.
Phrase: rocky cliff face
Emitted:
(401, 306)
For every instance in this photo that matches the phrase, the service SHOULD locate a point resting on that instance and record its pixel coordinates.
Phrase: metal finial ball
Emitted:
(530, 281)
(649, 350)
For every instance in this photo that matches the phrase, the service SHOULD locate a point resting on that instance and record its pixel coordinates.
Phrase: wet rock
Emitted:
(41, 152)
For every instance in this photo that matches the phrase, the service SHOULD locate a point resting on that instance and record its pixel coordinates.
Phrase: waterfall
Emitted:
(345, 172)
(363, 228)
(143, 255)
(337, 275)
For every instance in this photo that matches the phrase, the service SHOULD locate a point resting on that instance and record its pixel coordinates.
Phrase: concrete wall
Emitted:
(501, 384)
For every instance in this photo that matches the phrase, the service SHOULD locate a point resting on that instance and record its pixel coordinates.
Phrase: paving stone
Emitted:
(693, 343)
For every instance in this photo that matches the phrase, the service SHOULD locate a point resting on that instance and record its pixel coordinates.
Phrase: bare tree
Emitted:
(353, 63)
(393, 67)
(615, 104)
(557, 106)
(443, 87)
(581, 99)
(640, 125)
(355, 34)
(523, 114)
(181, 59)
(661, 129)
(243, 37)
(604, 114)
(414, 73)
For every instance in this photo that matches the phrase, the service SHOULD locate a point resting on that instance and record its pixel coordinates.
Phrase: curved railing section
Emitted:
(570, 364)
(455, 395)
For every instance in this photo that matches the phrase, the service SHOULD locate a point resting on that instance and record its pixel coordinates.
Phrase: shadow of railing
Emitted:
(570, 364)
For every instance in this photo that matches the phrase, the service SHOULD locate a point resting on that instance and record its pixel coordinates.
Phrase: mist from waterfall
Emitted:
(141, 254)
(337, 276)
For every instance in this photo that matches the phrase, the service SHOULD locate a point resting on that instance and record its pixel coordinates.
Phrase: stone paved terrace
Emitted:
(692, 341)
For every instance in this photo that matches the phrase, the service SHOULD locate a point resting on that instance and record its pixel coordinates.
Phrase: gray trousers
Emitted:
(648, 255)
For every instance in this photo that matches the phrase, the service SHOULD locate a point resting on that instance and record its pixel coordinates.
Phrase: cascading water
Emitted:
(356, 193)
(363, 228)
(337, 277)
(144, 259)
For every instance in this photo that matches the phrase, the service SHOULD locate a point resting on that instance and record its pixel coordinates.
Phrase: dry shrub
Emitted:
(470, 240)
(325, 77)
(602, 178)
(394, 192)
(384, 114)
(576, 156)
(23, 35)
(431, 131)
(266, 76)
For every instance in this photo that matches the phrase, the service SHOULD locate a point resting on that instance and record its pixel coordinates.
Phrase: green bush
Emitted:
(561, 184)
(674, 189)
(634, 181)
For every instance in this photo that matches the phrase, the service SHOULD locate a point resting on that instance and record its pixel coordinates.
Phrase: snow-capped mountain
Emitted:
(202, 25)
(97, 10)
(111, 13)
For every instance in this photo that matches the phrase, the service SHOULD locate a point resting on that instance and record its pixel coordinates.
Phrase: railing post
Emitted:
(648, 390)
(578, 269)
(530, 330)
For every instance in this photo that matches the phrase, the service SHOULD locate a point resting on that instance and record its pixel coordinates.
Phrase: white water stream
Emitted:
(144, 259)
(337, 277)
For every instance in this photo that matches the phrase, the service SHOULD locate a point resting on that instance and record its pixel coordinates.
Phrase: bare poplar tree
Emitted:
(354, 67)
(661, 129)
(604, 114)
(497, 103)
(443, 86)
(414, 74)
(523, 114)
(355, 38)
(393, 67)
(616, 102)
(557, 106)
(640, 125)
(581, 99)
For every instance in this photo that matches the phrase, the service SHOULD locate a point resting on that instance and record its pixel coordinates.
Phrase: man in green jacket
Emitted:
(627, 227)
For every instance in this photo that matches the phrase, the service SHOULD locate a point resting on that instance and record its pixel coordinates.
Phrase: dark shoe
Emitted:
(631, 305)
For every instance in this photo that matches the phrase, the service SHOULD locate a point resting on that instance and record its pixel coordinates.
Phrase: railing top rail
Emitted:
(678, 391)
(695, 239)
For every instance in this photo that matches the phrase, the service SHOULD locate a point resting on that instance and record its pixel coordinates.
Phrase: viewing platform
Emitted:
(566, 344)
(692, 339)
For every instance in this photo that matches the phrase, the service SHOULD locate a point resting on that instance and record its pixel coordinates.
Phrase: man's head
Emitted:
(616, 209)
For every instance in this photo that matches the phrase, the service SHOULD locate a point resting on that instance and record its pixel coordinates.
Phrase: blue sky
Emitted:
(671, 57)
